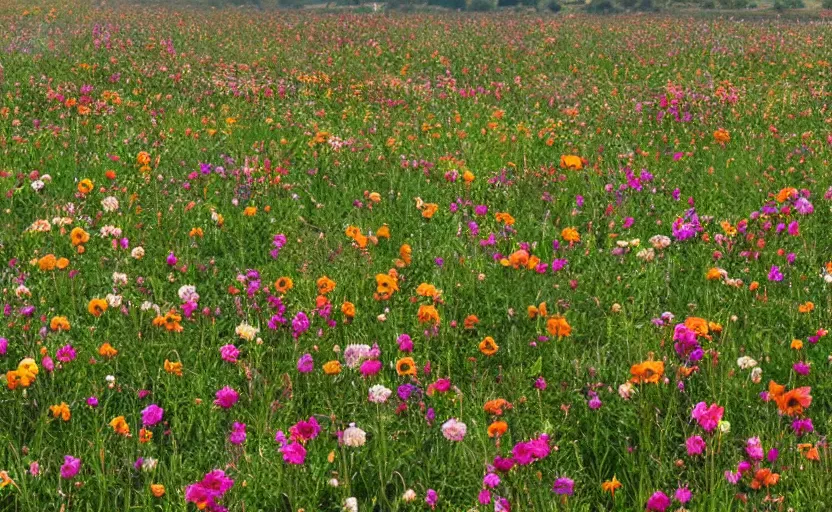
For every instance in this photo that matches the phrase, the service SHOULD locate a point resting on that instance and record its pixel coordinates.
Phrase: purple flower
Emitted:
(151, 415)
(540, 383)
(431, 498)
(695, 445)
(774, 274)
(306, 364)
(801, 368)
(4, 346)
(171, 259)
(802, 426)
(238, 433)
(564, 486)
(226, 397)
(300, 324)
(92, 402)
(683, 495)
(70, 467)
(491, 480)
(658, 502)
(594, 403)
(229, 353)
(480, 210)
(65, 354)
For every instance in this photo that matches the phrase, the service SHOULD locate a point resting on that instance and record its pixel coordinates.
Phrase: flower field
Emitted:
(297, 260)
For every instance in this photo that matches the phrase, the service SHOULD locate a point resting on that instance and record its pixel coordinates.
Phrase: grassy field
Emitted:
(283, 261)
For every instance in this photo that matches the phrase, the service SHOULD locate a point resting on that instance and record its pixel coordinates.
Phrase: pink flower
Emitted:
(708, 417)
(454, 430)
(305, 430)
(695, 445)
(754, 449)
(229, 353)
(226, 397)
(151, 415)
(306, 364)
(370, 367)
(70, 467)
(238, 433)
(658, 502)
(205, 493)
(293, 453)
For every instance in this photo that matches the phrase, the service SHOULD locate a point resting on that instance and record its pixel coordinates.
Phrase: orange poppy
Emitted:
(429, 209)
(325, 285)
(764, 477)
(78, 236)
(488, 346)
(348, 308)
(647, 372)
(332, 368)
(571, 162)
(283, 284)
(62, 263)
(85, 186)
(428, 314)
(120, 426)
(697, 325)
(571, 235)
(386, 285)
(426, 290)
(107, 350)
(558, 326)
(406, 366)
(47, 262)
(470, 322)
(497, 429)
(97, 307)
(792, 403)
(496, 406)
(383, 232)
(59, 323)
(173, 368)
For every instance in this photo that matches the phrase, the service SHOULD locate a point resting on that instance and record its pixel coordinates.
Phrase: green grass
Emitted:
(414, 97)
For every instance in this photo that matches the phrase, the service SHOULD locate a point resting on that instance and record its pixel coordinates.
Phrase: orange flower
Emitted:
(59, 323)
(120, 426)
(405, 253)
(753, 286)
(428, 314)
(497, 429)
(517, 259)
(97, 307)
(60, 411)
(468, 177)
(571, 235)
(504, 218)
(386, 285)
(173, 368)
(647, 372)
(332, 368)
(426, 290)
(714, 275)
(374, 197)
(196, 232)
(775, 390)
(722, 136)
(78, 236)
(62, 263)
(470, 322)
(348, 308)
(406, 366)
(785, 194)
(571, 162)
(283, 284)
(764, 478)
(107, 350)
(110, 174)
(429, 209)
(558, 326)
(383, 232)
(85, 186)
(792, 403)
(171, 321)
(488, 346)
(145, 435)
(250, 211)
(715, 327)
(26, 373)
(809, 451)
(806, 307)
(611, 486)
(697, 325)
(158, 490)
(325, 285)
(143, 158)
(495, 407)
(47, 262)
(796, 344)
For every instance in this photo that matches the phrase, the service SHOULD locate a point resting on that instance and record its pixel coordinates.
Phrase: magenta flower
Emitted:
(238, 433)
(708, 417)
(801, 368)
(171, 259)
(205, 493)
(151, 415)
(774, 274)
(4, 346)
(658, 502)
(229, 353)
(305, 430)
(293, 453)
(695, 445)
(226, 397)
(70, 467)
(431, 498)
(683, 495)
(306, 364)
(754, 449)
(370, 367)
(65, 354)
(564, 486)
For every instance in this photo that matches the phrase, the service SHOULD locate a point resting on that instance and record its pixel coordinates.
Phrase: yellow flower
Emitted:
(85, 186)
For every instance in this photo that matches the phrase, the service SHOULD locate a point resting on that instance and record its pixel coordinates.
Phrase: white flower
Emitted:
(647, 255)
(379, 394)
(746, 362)
(113, 301)
(119, 278)
(659, 242)
(355, 353)
(22, 291)
(46, 178)
(333, 482)
(38, 185)
(188, 293)
(626, 390)
(137, 253)
(757, 375)
(724, 426)
(110, 379)
(149, 464)
(351, 505)
(454, 430)
(109, 203)
(40, 226)
(409, 495)
(246, 331)
(354, 436)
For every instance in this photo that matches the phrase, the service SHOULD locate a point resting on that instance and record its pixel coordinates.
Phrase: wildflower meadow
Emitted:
(305, 260)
